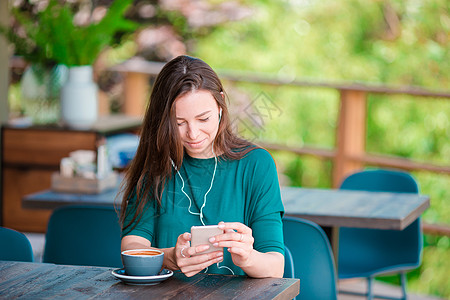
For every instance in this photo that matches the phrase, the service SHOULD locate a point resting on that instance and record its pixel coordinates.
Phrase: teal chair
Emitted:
(83, 235)
(370, 252)
(15, 246)
(312, 259)
(288, 263)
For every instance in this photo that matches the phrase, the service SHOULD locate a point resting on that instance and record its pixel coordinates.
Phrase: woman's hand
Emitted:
(189, 263)
(239, 240)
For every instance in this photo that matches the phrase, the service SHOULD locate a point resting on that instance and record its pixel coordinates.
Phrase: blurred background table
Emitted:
(326, 207)
(330, 208)
(334, 208)
(49, 199)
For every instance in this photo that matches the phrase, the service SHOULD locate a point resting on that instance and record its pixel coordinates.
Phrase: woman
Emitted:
(190, 169)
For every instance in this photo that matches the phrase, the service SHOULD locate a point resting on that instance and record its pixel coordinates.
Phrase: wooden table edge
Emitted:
(291, 292)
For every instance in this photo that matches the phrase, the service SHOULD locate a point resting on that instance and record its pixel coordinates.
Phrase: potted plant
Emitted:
(51, 38)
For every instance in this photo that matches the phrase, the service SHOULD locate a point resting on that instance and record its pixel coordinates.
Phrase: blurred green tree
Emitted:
(391, 42)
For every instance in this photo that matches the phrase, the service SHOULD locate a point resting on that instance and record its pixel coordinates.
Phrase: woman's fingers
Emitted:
(235, 235)
(190, 251)
(184, 238)
(195, 264)
(238, 238)
(188, 262)
(239, 227)
(183, 242)
(245, 243)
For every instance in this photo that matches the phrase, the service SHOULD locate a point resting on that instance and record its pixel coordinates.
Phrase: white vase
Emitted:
(79, 103)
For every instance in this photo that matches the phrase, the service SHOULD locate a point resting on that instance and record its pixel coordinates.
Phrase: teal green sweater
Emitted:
(245, 190)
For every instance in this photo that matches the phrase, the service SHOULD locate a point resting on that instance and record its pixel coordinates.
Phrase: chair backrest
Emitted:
(381, 180)
(288, 263)
(15, 246)
(312, 258)
(83, 235)
(366, 252)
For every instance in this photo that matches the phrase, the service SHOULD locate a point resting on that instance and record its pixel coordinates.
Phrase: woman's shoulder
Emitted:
(258, 154)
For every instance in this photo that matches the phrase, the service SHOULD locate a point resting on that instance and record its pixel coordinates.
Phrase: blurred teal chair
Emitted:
(288, 263)
(370, 252)
(312, 259)
(83, 235)
(15, 246)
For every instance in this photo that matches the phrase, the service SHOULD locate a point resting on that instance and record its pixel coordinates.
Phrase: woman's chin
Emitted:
(199, 153)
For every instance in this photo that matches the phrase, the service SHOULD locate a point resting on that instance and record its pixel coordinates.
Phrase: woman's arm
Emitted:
(260, 265)
(130, 242)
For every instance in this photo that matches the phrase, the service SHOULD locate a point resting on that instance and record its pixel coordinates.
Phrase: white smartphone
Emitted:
(200, 236)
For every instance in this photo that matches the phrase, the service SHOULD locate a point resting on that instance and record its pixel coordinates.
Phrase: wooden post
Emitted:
(136, 93)
(99, 66)
(351, 134)
(103, 103)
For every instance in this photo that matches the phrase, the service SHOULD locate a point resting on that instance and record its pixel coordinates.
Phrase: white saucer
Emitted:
(142, 280)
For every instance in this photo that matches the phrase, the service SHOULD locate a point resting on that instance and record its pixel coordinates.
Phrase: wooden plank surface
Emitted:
(38, 281)
(50, 200)
(328, 207)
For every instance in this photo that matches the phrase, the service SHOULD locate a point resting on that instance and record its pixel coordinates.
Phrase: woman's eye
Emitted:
(205, 119)
(180, 123)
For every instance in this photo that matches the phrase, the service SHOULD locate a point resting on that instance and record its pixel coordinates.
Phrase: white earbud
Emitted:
(220, 115)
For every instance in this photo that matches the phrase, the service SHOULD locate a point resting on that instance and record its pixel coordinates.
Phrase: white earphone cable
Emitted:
(204, 198)
(207, 192)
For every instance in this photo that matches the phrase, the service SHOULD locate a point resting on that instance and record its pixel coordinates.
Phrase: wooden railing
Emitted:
(349, 154)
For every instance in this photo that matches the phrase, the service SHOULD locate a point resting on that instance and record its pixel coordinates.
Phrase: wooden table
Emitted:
(335, 208)
(330, 208)
(40, 280)
(50, 200)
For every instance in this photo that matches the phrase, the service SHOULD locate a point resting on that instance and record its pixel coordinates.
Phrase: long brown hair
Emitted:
(159, 140)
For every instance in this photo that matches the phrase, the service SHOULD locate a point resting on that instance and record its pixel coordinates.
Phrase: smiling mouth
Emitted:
(195, 144)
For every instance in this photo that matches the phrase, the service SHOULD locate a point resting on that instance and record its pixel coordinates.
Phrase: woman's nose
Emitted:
(192, 132)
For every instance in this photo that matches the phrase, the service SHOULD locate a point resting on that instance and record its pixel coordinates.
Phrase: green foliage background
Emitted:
(384, 42)
(395, 43)
(50, 36)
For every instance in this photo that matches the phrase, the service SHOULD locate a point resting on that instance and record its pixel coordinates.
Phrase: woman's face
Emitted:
(197, 116)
